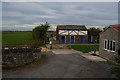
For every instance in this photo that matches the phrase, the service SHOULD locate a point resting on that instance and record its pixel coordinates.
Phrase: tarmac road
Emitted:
(64, 63)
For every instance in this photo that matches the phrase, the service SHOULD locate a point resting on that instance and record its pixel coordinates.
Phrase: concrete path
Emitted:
(64, 63)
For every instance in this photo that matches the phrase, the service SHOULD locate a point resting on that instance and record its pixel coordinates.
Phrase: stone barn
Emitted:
(72, 34)
(110, 42)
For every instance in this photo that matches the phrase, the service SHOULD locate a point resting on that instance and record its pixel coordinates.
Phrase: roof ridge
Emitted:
(70, 27)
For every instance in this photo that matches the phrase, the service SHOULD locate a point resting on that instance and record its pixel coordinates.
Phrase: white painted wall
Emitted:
(65, 32)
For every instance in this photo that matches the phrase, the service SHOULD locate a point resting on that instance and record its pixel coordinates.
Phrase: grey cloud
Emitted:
(60, 13)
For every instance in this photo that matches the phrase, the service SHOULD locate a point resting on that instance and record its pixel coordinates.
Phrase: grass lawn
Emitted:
(85, 48)
(12, 39)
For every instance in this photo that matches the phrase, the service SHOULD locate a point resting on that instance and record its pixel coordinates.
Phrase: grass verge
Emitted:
(84, 48)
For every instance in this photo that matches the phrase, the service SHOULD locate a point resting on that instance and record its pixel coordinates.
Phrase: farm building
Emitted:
(110, 42)
(72, 34)
(93, 36)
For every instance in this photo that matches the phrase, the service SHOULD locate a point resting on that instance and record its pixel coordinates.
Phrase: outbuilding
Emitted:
(93, 36)
(72, 34)
(110, 42)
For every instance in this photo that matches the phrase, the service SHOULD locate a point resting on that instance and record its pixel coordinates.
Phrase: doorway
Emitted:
(72, 39)
(63, 39)
(82, 40)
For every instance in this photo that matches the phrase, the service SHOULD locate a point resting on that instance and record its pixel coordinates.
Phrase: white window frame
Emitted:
(105, 40)
(111, 42)
(106, 48)
(112, 46)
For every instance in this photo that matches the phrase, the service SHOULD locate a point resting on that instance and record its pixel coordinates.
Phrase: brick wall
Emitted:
(68, 39)
(76, 38)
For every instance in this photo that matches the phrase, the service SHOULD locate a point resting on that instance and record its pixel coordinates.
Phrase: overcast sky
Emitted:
(27, 15)
(59, 0)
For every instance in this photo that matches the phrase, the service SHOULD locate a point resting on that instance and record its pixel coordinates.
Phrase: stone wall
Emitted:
(109, 34)
(15, 58)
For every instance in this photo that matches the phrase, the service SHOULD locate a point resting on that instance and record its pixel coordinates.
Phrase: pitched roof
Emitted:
(72, 27)
(116, 27)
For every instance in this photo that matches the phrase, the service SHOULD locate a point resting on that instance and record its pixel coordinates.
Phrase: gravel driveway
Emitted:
(64, 63)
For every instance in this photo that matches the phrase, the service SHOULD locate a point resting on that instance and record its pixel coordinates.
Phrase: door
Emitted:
(63, 39)
(82, 40)
(72, 40)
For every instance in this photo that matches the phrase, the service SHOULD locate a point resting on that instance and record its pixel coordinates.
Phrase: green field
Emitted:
(85, 48)
(12, 39)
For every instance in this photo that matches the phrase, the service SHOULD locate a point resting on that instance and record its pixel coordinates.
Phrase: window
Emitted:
(105, 44)
(110, 45)
(113, 49)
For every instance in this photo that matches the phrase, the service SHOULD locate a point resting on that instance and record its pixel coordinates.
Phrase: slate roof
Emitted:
(71, 27)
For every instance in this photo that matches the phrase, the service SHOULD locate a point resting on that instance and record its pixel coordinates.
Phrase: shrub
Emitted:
(35, 43)
(39, 32)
